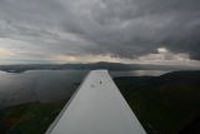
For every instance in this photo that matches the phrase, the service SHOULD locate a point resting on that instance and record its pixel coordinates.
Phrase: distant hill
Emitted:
(168, 104)
(89, 66)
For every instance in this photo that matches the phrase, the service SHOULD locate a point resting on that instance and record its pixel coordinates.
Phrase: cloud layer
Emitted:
(43, 30)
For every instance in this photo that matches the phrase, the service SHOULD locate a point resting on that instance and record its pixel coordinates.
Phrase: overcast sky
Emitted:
(72, 31)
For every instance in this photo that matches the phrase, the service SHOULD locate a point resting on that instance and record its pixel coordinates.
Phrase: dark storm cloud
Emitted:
(134, 27)
(121, 28)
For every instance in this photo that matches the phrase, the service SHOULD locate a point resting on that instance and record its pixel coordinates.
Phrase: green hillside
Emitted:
(32, 118)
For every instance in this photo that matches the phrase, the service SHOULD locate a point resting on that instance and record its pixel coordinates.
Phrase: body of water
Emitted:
(48, 85)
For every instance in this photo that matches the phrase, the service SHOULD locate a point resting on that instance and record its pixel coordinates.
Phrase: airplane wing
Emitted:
(97, 107)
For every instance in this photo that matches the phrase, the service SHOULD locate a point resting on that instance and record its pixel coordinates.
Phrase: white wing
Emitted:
(97, 108)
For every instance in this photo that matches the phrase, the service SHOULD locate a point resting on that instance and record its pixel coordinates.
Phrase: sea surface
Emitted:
(48, 85)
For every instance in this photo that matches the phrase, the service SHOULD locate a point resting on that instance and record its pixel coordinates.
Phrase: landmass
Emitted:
(167, 104)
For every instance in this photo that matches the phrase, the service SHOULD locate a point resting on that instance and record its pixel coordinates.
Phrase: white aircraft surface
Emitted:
(97, 107)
